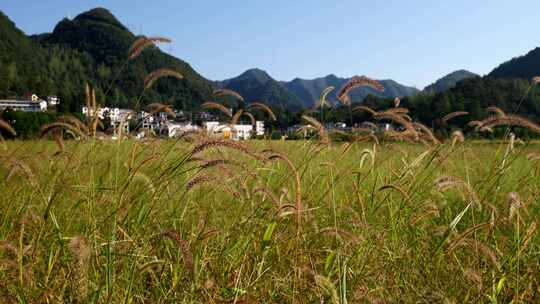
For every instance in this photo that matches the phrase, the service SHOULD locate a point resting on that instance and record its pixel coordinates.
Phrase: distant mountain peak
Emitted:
(525, 67)
(309, 90)
(256, 74)
(99, 14)
(449, 81)
(257, 85)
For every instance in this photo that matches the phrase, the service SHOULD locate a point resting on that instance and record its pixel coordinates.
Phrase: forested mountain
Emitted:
(92, 48)
(473, 95)
(299, 93)
(257, 85)
(309, 90)
(21, 60)
(449, 81)
(525, 67)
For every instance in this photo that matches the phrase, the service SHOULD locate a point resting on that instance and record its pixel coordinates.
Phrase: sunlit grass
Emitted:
(115, 222)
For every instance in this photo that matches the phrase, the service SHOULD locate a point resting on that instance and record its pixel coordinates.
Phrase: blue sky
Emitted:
(413, 42)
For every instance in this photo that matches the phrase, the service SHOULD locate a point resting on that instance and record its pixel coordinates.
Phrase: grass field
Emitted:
(269, 222)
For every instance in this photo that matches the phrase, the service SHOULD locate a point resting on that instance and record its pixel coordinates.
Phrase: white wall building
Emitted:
(24, 105)
(53, 101)
(259, 128)
(175, 129)
(116, 115)
(234, 132)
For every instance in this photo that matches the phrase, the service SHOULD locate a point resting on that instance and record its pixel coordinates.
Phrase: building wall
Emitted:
(24, 105)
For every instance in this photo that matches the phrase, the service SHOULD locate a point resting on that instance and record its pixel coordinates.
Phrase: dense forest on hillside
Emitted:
(474, 95)
(92, 48)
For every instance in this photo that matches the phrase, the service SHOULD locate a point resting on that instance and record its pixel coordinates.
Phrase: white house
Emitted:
(234, 132)
(117, 116)
(53, 100)
(259, 128)
(24, 105)
(176, 129)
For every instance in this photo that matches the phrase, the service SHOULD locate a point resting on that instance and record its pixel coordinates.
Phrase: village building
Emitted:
(178, 129)
(29, 103)
(234, 132)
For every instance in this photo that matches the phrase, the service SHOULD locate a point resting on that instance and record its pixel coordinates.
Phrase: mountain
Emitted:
(92, 48)
(257, 85)
(526, 67)
(309, 90)
(20, 59)
(449, 81)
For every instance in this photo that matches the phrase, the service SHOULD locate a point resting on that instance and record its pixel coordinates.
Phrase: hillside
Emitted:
(93, 48)
(309, 90)
(526, 67)
(449, 81)
(20, 60)
(257, 85)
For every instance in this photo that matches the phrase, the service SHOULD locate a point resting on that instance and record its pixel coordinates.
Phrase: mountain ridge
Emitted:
(525, 66)
(309, 89)
(449, 81)
(92, 48)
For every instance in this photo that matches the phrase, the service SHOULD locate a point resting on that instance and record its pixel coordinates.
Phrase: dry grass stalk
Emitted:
(323, 134)
(457, 137)
(515, 205)
(369, 124)
(453, 115)
(154, 108)
(398, 111)
(24, 170)
(144, 42)
(496, 110)
(216, 162)
(445, 183)
(226, 92)
(365, 109)
(324, 94)
(264, 108)
(59, 142)
(533, 156)
(465, 234)
(73, 121)
(328, 287)
(251, 118)
(160, 73)
(369, 137)
(277, 203)
(55, 126)
(510, 120)
(236, 117)
(93, 110)
(298, 197)
(197, 180)
(356, 82)
(4, 125)
(397, 119)
(184, 247)
(217, 106)
(81, 252)
(426, 131)
(397, 102)
(529, 234)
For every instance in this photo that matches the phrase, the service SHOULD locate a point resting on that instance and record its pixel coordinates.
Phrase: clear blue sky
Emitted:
(412, 42)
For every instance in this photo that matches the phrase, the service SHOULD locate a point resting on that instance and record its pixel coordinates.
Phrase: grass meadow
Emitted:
(212, 221)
